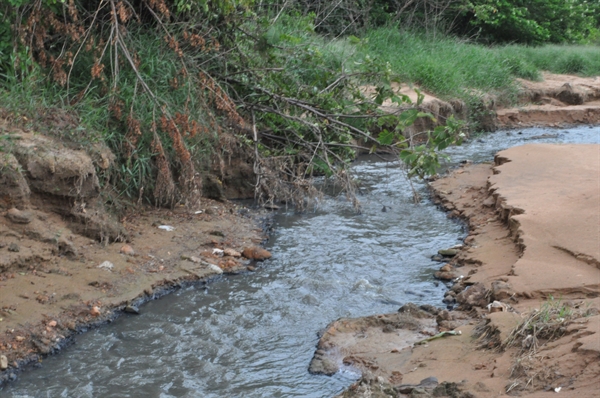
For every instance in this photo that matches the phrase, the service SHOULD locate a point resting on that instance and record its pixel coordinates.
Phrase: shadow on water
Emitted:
(253, 335)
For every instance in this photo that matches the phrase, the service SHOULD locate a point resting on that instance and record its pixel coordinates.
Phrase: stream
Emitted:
(254, 334)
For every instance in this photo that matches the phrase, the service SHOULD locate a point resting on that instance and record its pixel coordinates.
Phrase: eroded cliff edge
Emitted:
(527, 287)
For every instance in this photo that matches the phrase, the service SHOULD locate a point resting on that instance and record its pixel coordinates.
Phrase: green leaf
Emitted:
(386, 137)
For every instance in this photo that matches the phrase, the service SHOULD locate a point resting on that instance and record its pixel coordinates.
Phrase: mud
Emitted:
(532, 249)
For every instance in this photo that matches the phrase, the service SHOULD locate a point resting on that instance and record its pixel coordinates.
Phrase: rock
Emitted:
(448, 252)
(501, 290)
(270, 206)
(132, 309)
(231, 253)
(446, 268)
(15, 190)
(322, 364)
(3, 362)
(448, 299)
(54, 169)
(418, 312)
(13, 247)
(451, 320)
(52, 324)
(446, 276)
(95, 311)
(127, 250)
(426, 384)
(251, 268)
(474, 296)
(107, 265)
(437, 257)
(18, 216)
(256, 253)
(571, 95)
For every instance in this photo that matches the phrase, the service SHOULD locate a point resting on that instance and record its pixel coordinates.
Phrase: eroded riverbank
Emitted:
(227, 338)
(532, 249)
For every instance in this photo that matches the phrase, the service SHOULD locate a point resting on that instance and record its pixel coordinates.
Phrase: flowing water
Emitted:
(253, 335)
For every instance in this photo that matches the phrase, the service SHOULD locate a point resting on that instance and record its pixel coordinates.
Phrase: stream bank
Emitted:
(532, 248)
(67, 264)
(58, 251)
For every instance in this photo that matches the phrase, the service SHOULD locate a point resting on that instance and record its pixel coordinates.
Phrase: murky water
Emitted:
(253, 335)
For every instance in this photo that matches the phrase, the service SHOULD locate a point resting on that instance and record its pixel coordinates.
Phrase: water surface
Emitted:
(253, 335)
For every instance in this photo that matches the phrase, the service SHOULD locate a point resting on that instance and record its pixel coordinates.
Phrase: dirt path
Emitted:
(527, 292)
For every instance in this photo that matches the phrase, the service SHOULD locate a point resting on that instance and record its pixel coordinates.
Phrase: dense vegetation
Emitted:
(175, 88)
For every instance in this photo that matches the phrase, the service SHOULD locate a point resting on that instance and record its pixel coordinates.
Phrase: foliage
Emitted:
(446, 66)
(533, 22)
(158, 110)
(167, 107)
(167, 83)
(570, 59)
(423, 159)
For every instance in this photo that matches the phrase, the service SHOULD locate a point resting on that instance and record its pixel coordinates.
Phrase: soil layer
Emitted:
(526, 286)
(67, 264)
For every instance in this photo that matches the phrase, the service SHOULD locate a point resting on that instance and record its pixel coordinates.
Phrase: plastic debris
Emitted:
(107, 265)
(439, 335)
(215, 268)
(166, 227)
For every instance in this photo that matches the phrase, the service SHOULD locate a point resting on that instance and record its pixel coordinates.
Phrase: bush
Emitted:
(532, 21)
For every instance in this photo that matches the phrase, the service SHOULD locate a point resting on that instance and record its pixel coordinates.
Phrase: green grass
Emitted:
(452, 68)
(567, 59)
(304, 66)
(444, 66)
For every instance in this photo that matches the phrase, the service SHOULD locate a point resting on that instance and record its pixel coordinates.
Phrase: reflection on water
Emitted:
(253, 335)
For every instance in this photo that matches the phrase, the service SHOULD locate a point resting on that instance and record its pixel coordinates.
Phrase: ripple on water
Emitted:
(254, 335)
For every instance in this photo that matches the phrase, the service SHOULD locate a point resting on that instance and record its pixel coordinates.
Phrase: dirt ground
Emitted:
(557, 101)
(66, 264)
(527, 286)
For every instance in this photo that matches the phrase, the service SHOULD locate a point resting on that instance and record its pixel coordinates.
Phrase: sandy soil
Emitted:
(557, 100)
(55, 234)
(66, 264)
(46, 296)
(528, 282)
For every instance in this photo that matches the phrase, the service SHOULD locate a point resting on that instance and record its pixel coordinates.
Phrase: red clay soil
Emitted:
(557, 100)
(66, 263)
(532, 255)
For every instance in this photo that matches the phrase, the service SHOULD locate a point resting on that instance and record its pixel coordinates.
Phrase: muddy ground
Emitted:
(526, 291)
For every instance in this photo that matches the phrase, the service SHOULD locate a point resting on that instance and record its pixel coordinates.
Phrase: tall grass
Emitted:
(567, 59)
(453, 68)
(442, 65)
